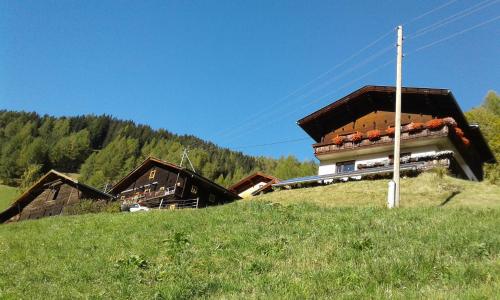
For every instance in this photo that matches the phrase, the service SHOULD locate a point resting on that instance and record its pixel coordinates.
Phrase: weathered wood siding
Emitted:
(375, 120)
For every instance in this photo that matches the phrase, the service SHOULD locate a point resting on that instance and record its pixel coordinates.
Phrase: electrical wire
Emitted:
(462, 14)
(273, 143)
(454, 35)
(270, 121)
(233, 131)
(429, 12)
(259, 113)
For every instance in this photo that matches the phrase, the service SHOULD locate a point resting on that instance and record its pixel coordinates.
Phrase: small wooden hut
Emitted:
(48, 197)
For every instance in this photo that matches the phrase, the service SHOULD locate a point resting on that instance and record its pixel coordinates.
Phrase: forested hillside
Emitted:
(103, 149)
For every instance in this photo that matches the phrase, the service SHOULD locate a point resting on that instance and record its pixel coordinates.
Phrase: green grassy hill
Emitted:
(336, 241)
(7, 195)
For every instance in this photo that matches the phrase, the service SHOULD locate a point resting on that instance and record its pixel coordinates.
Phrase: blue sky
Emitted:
(233, 72)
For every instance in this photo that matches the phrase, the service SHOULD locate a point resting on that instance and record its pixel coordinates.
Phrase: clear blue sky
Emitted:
(222, 70)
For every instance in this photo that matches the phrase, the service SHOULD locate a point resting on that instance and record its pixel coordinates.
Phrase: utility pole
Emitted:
(393, 198)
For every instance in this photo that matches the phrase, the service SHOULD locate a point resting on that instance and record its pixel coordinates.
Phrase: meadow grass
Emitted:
(262, 248)
(7, 195)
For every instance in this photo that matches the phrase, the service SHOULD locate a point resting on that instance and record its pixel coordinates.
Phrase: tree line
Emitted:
(103, 149)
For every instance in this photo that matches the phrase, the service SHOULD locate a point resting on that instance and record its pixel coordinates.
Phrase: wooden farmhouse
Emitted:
(48, 197)
(158, 184)
(255, 184)
(354, 135)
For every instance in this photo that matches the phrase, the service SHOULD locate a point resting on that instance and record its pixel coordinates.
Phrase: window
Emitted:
(147, 190)
(344, 166)
(55, 193)
(152, 174)
(194, 189)
(162, 188)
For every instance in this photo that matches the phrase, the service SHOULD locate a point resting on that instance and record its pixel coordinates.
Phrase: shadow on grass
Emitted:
(453, 194)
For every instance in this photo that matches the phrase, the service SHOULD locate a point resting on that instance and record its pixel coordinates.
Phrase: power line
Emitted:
(430, 12)
(270, 121)
(466, 12)
(315, 79)
(235, 130)
(269, 144)
(454, 35)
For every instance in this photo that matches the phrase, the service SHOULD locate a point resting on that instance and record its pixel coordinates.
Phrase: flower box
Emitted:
(373, 135)
(415, 127)
(356, 137)
(390, 131)
(434, 124)
(338, 140)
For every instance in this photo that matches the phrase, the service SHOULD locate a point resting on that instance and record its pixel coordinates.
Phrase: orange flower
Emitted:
(390, 130)
(415, 126)
(356, 137)
(373, 134)
(338, 140)
(459, 132)
(465, 141)
(434, 124)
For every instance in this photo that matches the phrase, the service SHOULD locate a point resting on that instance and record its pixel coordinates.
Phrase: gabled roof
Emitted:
(26, 198)
(433, 101)
(252, 180)
(152, 161)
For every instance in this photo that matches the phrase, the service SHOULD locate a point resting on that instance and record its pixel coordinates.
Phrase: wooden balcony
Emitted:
(330, 147)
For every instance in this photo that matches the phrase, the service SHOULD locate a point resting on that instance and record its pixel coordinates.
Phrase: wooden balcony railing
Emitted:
(329, 147)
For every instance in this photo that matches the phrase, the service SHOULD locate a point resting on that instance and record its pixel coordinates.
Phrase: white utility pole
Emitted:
(394, 185)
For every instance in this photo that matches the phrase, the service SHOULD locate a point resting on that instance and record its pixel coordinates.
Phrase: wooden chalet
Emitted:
(254, 184)
(48, 197)
(354, 135)
(158, 184)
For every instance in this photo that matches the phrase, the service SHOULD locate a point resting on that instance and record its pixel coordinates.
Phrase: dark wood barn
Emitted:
(159, 184)
(48, 196)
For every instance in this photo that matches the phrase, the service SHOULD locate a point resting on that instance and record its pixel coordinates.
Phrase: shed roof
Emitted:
(253, 178)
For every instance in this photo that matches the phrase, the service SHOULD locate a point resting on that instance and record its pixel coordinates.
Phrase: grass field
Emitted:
(304, 243)
(7, 195)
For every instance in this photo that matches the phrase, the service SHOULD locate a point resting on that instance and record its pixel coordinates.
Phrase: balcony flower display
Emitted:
(390, 131)
(450, 122)
(356, 137)
(459, 132)
(373, 135)
(415, 127)
(434, 124)
(338, 140)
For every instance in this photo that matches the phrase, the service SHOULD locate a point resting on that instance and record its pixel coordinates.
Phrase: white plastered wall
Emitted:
(328, 166)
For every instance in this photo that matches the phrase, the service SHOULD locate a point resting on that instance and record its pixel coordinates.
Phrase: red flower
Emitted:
(434, 124)
(338, 140)
(415, 126)
(459, 132)
(390, 131)
(373, 134)
(465, 141)
(356, 137)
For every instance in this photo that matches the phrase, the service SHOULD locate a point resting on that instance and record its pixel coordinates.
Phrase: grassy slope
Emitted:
(253, 249)
(7, 195)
